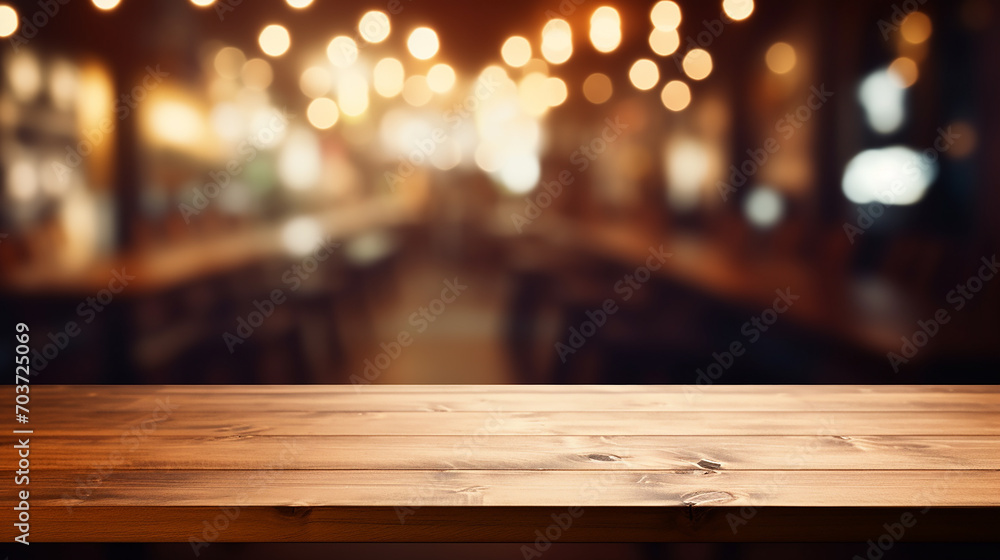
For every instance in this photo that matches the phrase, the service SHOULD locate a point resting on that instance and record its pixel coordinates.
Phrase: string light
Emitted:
(274, 40)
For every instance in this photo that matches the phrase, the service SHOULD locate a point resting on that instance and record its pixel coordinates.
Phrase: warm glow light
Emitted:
(664, 42)
(229, 62)
(274, 40)
(557, 41)
(22, 180)
(63, 84)
(676, 95)
(423, 43)
(416, 92)
(666, 16)
(906, 69)
(25, 75)
(106, 4)
(916, 28)
(555, 92)
(322, 113)
(352, 94)
(315, 82)
(531, 94)
(374, 26)
(440, 78)
(300, 162)
(298, 4)
(202, 3)
(520, 172)
(388, 77)
(257, 74)
(342, 51)
(605, 29)
(227, 121)
(96, 98)
(688, 166)
(516, 51)
(781, 58)
(738, 9)
(697, 64)
(535, 65)
(302, 236)
(644, 74)
(597, 88)
(8, 21)
(176, 122)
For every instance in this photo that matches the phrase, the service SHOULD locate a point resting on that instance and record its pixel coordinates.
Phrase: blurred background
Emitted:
(225, 192)
(560, 191)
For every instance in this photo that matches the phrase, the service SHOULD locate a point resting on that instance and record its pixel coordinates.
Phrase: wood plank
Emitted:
(765, 390)
(673, 401)
(621, 488)
(245, 421)
(493, 452)
(494, 463)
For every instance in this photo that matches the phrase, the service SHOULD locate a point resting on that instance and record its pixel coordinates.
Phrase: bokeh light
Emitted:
(8, 20)
(64, 82)
(516, 51)
(738, 9)
(894, 175)
(531, 93)
(520, 172)
(323, 113)
(423, 43)
(175, 122)
(906, 69)
(644, 74)
(229, 62)
(315, 81)
(106, 4)
(781, 58)
(882, 97)
(301, 236)
(342, 51)
(665, 15)
(374, 26)
(25, 75)
(664, 42)
(916, 28)
(697, 64)
(605, 29)
(556, 92)
(298, 4)
(440, 78)
(257, 74)
(688, 166)
(764, 207)
(676, 95)
(300, 163)
(597, 88)
(388, 77)
(416, 92)
(206, 3)
(557, 41)
(274, 40)
(352, 94)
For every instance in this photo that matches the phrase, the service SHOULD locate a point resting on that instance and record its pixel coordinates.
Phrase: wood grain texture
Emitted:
(496, 463)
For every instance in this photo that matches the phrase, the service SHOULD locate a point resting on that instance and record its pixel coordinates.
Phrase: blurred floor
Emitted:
(558, 551)
(461, 345)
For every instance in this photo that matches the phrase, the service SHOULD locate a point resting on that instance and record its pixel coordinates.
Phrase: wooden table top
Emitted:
(473, 463)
